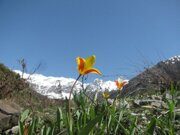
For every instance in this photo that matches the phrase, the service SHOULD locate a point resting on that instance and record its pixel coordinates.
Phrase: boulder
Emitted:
(9, 115)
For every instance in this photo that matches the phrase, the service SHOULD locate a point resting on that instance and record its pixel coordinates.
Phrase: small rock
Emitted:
(148, 107)
(156, 104)
(168, 96)
(13, 130)
(156, 97)
(134, 114)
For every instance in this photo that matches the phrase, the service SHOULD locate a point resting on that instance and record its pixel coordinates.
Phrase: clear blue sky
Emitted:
(125, 35)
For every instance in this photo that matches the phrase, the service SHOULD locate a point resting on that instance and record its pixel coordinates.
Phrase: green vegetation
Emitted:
(99, 118)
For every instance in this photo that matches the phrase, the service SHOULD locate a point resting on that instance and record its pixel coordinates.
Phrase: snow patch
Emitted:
(173, 60)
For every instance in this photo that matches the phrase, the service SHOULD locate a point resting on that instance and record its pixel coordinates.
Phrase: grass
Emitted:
(103, 118)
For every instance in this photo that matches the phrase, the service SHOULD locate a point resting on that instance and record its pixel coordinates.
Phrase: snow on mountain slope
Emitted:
(59, 87)
(173, 60)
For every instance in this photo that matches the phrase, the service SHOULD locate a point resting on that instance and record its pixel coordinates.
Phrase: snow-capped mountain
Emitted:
(173, 60)
(158, 77)
(59, 87)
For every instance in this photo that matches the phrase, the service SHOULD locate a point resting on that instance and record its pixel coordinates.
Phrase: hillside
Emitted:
(10, 82)
(16, 95)
(158, 77)
(18, 90)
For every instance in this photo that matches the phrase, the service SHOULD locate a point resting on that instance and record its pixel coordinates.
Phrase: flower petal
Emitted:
(121, 84)
(81, 64)
(117, 83)
(125, 82)
(92, 70)
(90, 61)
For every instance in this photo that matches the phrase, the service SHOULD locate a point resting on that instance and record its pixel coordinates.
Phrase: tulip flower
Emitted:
(121, 83)
(85, 66)
(106, 95)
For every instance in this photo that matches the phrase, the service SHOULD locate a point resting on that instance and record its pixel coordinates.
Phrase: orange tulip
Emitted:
(85, 66)
(121, 83)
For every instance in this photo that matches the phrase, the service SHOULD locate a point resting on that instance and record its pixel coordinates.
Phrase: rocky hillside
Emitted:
(158, 77)
(17, 95)
(10, 82)
(18, 90)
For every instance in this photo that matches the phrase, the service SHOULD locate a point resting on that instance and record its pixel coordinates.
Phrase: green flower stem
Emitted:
(69, 104)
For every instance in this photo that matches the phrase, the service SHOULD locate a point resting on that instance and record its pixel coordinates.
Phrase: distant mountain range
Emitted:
(59, 87)
(156, 77)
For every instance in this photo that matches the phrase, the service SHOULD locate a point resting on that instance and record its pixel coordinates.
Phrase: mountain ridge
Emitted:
(158, 76)
(59, 87)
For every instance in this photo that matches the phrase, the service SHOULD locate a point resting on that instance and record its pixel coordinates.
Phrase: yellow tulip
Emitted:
(106, 95)
(121, 83)
(85, 66)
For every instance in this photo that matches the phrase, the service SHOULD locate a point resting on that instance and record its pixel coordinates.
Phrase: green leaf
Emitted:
(172, 90)
(126, 132)
(24, 115)
(43, 130)
(171, 106)
(59, 118)
(119, 119)
(95, 97)
(133, 126)
(48, 130)
(32, 127)
(90, 125)
(21, 129)
(69, 123)
(151, 126)
(109, 121)
(52, 131)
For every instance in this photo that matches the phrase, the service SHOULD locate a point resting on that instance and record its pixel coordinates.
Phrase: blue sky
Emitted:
(125, 35)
